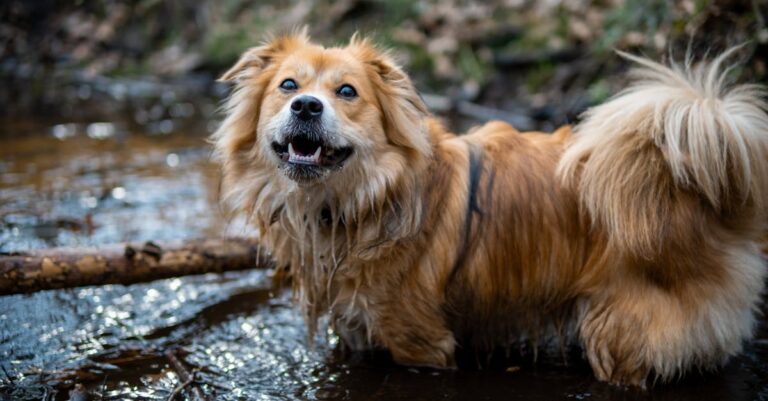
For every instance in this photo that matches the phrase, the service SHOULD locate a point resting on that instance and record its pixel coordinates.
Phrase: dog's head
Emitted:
(324, 149)
(339, 117)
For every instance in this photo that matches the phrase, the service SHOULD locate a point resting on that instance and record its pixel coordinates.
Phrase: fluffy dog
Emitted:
(635, 233)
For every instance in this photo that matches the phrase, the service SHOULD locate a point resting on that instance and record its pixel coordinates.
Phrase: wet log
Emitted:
(126, 263)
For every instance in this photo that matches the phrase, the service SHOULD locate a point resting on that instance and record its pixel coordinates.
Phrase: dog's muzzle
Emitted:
(305, 150)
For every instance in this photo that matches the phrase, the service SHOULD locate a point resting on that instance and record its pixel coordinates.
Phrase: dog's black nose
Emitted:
(307, 107)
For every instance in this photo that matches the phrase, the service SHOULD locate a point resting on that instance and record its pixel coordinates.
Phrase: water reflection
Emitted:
(93, 183)
(101, 130)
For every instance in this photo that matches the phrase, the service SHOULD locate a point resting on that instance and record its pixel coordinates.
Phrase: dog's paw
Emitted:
(437, 354)
(615, 346)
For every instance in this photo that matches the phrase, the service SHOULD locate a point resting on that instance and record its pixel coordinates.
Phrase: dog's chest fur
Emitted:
(451, 268)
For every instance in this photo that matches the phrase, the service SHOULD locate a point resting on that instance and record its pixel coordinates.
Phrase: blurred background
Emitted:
(545, 60)
(105, 107)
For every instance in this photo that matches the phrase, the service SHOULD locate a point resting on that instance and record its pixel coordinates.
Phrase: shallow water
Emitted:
(83, 184)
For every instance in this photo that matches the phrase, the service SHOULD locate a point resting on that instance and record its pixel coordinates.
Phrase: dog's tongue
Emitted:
(299, 157)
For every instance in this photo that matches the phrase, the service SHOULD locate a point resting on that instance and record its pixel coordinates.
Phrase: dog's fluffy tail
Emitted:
(676, 132)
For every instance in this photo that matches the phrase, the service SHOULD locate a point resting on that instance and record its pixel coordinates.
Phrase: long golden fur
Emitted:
(635, 234)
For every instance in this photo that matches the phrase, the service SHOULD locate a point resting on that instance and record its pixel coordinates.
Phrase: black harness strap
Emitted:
(475, 171)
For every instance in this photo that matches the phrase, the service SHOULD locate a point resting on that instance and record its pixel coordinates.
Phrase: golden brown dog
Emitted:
(635, 234)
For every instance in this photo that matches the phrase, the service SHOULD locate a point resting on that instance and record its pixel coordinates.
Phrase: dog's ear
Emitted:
(256, 59)
(403, 109)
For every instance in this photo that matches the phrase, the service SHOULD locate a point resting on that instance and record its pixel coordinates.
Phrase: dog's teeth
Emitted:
(305, 159)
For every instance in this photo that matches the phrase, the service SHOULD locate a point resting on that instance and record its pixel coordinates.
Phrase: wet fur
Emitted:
(635, 234)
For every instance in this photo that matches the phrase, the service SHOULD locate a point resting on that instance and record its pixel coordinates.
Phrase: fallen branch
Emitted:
(126, 263)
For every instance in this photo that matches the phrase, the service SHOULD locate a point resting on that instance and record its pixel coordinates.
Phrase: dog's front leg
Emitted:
(418, 340)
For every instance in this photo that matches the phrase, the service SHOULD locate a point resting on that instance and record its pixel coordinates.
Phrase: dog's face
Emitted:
(318, 113)
(323, 115)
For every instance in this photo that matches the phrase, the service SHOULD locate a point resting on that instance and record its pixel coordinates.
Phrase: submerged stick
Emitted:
(185, 379)
(126, 263)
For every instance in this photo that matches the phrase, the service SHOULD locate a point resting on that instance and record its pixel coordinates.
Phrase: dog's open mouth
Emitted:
(304, 151)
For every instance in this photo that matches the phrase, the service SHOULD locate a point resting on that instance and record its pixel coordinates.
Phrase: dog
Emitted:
(635, 234)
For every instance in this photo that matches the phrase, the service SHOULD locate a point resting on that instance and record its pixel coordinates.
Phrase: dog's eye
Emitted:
(289, 85)
(346, 91)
